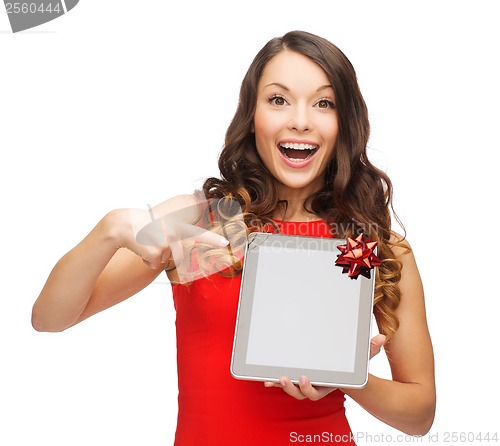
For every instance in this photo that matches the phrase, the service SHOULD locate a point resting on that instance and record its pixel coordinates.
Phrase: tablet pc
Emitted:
(298, 314)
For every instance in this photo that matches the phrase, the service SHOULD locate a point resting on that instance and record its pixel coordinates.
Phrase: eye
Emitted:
(325, 103)
(277, 100)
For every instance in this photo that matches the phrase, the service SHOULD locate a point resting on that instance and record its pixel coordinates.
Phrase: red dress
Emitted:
(216, 409)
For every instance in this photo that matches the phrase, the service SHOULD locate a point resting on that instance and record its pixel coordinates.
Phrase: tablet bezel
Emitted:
(240, 369)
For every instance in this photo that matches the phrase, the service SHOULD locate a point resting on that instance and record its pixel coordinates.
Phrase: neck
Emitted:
(292, 205)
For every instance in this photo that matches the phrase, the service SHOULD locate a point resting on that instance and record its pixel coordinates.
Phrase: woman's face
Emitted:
(295, 122)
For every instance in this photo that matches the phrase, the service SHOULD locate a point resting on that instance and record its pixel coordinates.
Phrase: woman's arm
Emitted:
(408, 401)
(96, 274)
(109, 265)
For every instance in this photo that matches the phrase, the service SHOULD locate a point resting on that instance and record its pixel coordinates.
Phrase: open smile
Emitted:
(297, 153)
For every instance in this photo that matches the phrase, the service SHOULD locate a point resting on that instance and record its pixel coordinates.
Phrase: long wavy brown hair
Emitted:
(356, 196)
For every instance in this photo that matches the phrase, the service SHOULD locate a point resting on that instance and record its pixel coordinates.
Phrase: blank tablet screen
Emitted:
(299, 314)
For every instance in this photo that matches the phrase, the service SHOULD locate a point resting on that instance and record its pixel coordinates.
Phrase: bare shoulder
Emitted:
(403, 252)
(400, 246)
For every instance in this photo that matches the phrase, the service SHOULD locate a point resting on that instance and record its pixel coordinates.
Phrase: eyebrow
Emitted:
(277, 84)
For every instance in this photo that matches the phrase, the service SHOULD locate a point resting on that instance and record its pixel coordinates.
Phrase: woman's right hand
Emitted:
(124, 225)
(159, 241)
(97, 274)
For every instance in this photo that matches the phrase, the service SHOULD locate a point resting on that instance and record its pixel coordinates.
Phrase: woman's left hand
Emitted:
(306, 390)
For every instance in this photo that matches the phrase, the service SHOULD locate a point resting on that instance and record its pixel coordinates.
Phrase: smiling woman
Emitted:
(295, 161)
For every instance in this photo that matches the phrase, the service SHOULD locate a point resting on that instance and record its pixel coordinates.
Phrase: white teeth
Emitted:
(296, 146)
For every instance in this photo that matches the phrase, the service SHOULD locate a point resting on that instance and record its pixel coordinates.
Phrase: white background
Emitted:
(122, 103)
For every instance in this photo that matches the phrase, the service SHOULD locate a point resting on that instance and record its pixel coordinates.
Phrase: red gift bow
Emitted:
(357, 257)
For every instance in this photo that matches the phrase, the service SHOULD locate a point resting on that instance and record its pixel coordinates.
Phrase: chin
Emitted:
(300, 184)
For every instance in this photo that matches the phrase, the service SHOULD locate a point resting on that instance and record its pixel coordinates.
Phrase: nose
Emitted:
(300, 119)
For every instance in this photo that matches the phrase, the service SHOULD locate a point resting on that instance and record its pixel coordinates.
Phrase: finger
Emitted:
(291, 388)
(180, 245)
(212, 239)
(272, 384)
(154, 258)
(376, 344)
(311, 392)
(306, 388)
(166, 256)
(160, 232)
(195, 233)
